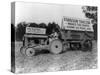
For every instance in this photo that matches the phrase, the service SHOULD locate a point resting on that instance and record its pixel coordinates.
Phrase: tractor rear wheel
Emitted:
(56, 46)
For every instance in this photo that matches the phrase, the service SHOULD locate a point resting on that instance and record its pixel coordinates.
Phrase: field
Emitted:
(70, 60)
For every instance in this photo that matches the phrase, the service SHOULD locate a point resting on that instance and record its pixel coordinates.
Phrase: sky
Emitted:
(45, 13)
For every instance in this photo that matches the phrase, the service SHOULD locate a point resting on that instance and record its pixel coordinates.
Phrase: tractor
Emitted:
(68, 37)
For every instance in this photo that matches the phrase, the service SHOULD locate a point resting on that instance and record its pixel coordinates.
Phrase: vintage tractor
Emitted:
(74, 34)
(36, 40)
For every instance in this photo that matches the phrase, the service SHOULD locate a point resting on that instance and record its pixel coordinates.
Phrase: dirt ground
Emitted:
(70, 60)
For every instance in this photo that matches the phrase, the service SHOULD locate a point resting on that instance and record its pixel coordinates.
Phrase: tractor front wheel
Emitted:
(30, 52)
(22, 50)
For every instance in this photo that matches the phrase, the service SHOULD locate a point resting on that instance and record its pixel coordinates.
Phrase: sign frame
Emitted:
(78, 24)
(35, 30)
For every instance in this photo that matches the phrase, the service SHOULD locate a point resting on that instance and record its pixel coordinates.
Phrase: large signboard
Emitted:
(34, 30)
(77, 24)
